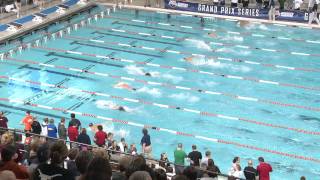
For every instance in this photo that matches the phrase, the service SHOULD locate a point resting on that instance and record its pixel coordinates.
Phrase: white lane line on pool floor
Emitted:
(119, 121)
(210, 42)
(167, 85)
(179, 108)
(251, 79)
(220, 30)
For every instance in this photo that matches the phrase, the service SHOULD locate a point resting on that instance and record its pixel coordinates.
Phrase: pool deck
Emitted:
(34, 24)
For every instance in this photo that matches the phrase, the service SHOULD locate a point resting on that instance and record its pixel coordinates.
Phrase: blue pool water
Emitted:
(227, 92)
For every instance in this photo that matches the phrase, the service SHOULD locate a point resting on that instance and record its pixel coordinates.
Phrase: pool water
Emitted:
(252, 84)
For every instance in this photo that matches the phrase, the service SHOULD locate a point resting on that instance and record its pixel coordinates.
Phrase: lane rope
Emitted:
(185, 134)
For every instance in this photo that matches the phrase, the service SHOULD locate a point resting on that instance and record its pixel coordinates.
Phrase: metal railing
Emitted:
(111, 152)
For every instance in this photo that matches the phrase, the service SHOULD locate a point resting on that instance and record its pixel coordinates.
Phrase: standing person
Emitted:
(73, 134)
(74, 121)
(281, 2)
(36, 126)
(146, 144)
(263, 169)
(179, 156)
(84, 138)
(17, 3)
(3, 122)
(100, 137)
(147, 3)
(62, 130)
(245, 3)
(234, 3)
(258, 4)
(297, 4)
(206, 158)
(27, 121)
(272, 10)
(52, 129)
(313, 11)
(250, 172)
(195, 156)
(213, 169)
(44, 130)
(235, 167)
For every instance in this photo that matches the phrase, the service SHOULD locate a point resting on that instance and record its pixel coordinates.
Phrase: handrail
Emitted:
(15, 131)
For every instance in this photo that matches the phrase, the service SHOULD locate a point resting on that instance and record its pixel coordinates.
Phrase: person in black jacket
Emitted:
(35, 126)
(83, 138)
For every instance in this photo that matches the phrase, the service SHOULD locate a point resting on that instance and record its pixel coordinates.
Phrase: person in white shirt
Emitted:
(297, 4)
(206, 158)
(313, 11)
(123, 145)
(234, 3)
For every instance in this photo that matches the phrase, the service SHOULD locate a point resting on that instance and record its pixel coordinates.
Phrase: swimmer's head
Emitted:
(147, 74)
(134, 89)
(90, 124)
(121, 108)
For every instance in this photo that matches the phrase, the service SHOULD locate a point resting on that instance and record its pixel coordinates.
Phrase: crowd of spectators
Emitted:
(45, 155)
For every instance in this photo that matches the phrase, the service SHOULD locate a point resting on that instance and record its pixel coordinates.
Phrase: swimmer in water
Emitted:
(188, 59)
(212, 35)
(123, 85)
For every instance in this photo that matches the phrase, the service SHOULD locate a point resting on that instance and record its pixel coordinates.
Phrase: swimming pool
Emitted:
(249, 91)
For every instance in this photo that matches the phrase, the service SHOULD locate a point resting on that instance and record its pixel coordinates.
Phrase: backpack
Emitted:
(36, 127)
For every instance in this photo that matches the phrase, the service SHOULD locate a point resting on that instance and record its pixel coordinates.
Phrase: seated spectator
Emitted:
(84, 138)
(54, 170)
(250, 172)
(124, 162)
(8, 156)
(139, 164)
(213, 169)
(160, 174)
(71, 164)
(164, 162)
(179, 177)
(202, 172)
(82, 161)
(3, 122)
(190, 172)
(114, 147)
(123, 145)
(42, 156)
(140, 175)
(133, 149)
(99, 169)
(206, 158)
(100, 152)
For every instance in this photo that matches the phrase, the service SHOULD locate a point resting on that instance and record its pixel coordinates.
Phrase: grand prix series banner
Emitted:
(301, 16)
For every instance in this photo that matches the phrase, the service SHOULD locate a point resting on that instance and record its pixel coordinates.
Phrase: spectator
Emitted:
(123, 145)
(8, 156)
(71, 164)
(245, 3)
(100, 152)
(140, 175)
(263, 169)
(52, 129)
(45, 123)
(216, 2)
(297, 4)
(179, 156)
(74, 121)
(58, 153)
(114, 147)
(7, 175)
(138, 163)
(62, 130)
(36, 126)
(205, 159)
(272, 10)
(281, 2)
(164, 161)
(84, 138)
(259, 4)
(214, 170)
(109, 139)
(250, 172)
(146, 144)
(3, 122)
(124, 162)
(99, 169)
(202, 170)
(17, 3)
(161, 174)
(73, 134)
(302, 178)
(190, 172)
(42, 156)
(100, 137)
(195, 156)
(234, 169)
(234, 3)
(27, 121)
(313, 11)
(82, 161)
(133, 149)
(179, 177)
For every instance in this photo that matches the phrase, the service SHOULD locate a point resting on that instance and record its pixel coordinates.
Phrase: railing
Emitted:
(16, 132)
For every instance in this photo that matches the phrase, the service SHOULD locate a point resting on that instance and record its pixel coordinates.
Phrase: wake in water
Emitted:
(155, 92)
(134, 70)
(199, 44)
(185, 97)
(172, 78)
(102, 104)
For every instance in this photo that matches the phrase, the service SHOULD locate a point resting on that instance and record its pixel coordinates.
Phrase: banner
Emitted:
(288, 15)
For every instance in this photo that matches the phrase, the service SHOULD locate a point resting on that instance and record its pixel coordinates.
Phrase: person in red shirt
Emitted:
(73, 133)
(263, 169)
(27, 121)
(9, 155)
(100, 137)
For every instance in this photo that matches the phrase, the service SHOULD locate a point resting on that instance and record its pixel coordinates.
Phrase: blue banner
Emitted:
(300, 16)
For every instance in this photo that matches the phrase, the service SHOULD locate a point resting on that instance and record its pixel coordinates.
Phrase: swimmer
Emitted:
(212, 35)
(188, 59)
(123, 85)
(244, 24)
(114, 106)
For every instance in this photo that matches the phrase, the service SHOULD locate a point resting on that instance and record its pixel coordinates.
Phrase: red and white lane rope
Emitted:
(251, 79)
(236, 60)
(168, 106)
(219, 30)
(215, 140)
